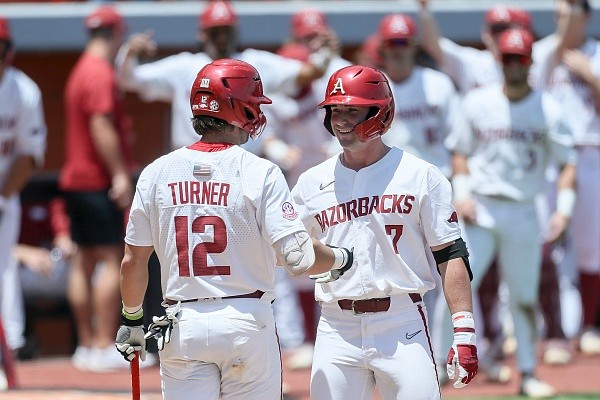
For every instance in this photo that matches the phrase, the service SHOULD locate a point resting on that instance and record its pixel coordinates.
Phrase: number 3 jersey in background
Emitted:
(212, 212)
(510, 144)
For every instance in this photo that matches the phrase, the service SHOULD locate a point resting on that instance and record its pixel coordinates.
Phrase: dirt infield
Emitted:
(57, 379)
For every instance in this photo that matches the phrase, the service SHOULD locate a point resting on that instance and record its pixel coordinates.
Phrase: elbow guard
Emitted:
(295, 252)
(456, 250)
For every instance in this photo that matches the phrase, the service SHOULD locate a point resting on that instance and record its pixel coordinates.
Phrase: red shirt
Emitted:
(91, 89)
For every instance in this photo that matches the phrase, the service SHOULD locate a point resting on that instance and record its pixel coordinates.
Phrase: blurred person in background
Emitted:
(368, 52)
(499, 165)
(98, 189)
(170, 78)
(22, 148)
(568, 66)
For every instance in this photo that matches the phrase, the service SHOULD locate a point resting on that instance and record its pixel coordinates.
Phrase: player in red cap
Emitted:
(170, 79)
(513, 133)
(22, 148)
(468, 67)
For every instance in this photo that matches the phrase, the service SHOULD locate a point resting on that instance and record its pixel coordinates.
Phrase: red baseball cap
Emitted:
(4, 30)
(504, 15)
(308, 22)
(105, 17)
(515, 41)
(217, 13)
(397, 26)
(294, 51)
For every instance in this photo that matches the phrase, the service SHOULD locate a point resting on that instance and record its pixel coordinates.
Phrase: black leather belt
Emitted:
(372, 305)
(254, 295)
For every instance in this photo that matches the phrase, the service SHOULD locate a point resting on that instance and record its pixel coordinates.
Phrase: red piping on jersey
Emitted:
(210, 147)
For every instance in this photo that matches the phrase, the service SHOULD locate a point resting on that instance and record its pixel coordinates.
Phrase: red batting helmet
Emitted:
(4, 30)
(358, 85)
(105, 17)
(397, 26)
(515, 41)
(308, 22)
(230, 90)
(217, 13)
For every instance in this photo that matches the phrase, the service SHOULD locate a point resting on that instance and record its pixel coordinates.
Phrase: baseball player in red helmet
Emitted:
(170, 79)
(395, 210)
(219, 218)
(514, 133)
(22, 148)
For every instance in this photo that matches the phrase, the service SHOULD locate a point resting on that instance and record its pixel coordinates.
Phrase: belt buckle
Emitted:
(353, 310)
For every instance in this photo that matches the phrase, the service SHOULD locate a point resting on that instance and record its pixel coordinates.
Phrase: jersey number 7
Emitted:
(395, 231)
(201, 250)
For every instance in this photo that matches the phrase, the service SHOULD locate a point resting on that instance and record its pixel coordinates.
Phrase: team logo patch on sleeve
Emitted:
(453, 217)
(288, 211)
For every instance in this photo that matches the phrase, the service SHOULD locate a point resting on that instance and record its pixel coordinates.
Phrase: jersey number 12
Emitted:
(201, 250)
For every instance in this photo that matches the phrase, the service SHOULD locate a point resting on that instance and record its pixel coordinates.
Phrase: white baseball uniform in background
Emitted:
(390, 213)
(201, 210)
(171, 78)
(469, 67)
(22, 132)
(580, 113)
(427, 110)
(509, 146)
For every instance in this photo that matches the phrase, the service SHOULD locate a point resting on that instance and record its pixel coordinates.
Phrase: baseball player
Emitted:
(170, 79)
(217, 217)
(499, 168)
(568, 66)
(390, 207)
(468, 67)
(22, 148)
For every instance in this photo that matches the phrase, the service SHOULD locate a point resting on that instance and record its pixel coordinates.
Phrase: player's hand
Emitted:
(130, 336)
(556, 228)
(462, 356)
(466, 210)
(334, 274)
(161, 327)
(121, 190)
(142, 44)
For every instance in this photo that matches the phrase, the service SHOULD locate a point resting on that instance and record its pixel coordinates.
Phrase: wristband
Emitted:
(132, 312)
(463, 319)
(461, 187)
(340, 258)
(565, 202)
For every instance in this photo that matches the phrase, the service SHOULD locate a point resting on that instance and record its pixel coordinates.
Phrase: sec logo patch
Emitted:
(288, 210)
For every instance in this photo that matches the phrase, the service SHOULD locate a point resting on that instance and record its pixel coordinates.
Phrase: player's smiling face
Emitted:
(344, 119)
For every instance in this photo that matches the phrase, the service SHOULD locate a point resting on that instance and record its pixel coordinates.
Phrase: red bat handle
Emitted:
(135, 377)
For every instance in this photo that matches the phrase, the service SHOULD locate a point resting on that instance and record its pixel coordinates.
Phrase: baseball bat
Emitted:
(135, 377)
(7, 361)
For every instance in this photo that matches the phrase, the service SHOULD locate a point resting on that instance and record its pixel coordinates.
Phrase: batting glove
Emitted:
(463, 353)
(343, 261)
(130, 336)
(161, 327)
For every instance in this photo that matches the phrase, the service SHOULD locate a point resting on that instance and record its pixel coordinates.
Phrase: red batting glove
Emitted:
(463, 353)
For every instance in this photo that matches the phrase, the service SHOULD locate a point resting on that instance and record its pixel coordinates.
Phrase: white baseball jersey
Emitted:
(22, 126)
(171, 79)
(427, 110)
(299, 123)
(509, 143)
(212, 218)
(468, 67)
(390, 213)
(575, 96)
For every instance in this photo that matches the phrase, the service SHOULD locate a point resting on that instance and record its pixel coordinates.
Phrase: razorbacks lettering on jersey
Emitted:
(509, 143)
(22, 126)
(390, 213)
(212, 218)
